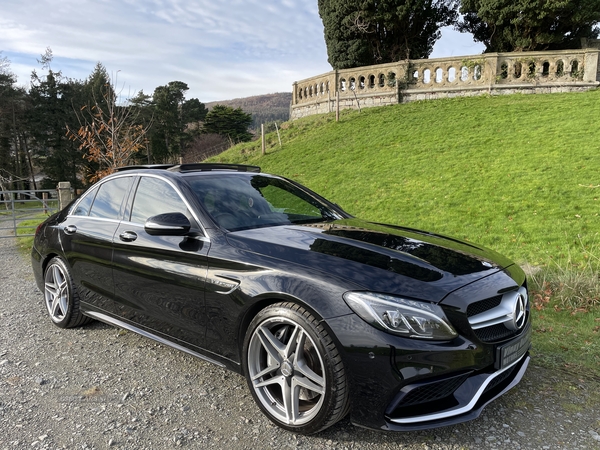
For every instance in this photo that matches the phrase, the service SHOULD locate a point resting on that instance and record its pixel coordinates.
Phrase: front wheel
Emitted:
(60, 295)
(294, 370)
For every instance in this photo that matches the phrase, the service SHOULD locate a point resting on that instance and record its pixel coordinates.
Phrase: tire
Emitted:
(294, 370)
(60, 296)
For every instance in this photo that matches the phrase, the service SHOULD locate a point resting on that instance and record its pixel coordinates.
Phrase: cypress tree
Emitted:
(528, 25)
(365, 32)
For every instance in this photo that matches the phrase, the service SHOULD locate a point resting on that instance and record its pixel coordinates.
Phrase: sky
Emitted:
(222, 49)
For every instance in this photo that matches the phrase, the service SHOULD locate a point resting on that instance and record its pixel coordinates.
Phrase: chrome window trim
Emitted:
(100, 219)
(95, 187)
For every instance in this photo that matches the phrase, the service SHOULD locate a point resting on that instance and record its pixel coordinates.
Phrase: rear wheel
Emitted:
(294, 370)
(62, 301)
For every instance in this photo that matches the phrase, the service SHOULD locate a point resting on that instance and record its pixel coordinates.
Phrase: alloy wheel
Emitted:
(286, 371)
(56, 292)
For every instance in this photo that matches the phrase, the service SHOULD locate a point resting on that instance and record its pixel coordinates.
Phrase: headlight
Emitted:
(399, 316)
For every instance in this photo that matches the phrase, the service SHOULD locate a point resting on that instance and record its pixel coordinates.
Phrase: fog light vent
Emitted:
(432, 391)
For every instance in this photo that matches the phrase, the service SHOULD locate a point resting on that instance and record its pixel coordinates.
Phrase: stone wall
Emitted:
(405, 81)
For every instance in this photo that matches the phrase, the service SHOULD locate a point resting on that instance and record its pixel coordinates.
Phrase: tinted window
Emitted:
(155, 196)
(110, 196)
(281, 200)
(239, 202)
(83, 207)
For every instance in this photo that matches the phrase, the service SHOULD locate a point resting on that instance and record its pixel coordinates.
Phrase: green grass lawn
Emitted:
(28, 227)
(518, 173)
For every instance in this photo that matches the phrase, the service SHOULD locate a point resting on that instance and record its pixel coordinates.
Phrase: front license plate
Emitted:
(512, 351)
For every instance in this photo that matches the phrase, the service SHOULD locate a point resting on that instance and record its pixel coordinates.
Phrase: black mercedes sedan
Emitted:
(323, 313)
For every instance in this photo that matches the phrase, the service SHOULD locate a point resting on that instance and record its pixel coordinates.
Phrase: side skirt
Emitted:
(118, 323)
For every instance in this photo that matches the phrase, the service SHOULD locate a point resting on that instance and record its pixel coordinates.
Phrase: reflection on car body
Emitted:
(325, 314)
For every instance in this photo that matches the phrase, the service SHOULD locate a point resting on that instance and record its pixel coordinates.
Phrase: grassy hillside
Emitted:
(519, 174)
(516, 173)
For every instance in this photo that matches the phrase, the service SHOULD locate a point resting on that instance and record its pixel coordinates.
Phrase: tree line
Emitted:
(366, 32)
(80, 130)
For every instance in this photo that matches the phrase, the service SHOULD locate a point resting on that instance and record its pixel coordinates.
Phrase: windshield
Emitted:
(241, 202)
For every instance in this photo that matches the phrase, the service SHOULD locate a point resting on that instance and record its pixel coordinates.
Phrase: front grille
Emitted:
(432, 391)
(493, 319)
(494, 333)
(483, 305)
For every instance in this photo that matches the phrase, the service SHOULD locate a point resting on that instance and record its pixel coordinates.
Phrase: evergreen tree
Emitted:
(144, 115)
(172, 115)
(527, 25)
(193, 112)
(53, 97)
(10, 169)
(98, 88)
(365, 32)
(229, 122)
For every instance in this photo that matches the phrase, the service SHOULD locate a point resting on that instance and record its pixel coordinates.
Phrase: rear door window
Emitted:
(108, 201)
(84, 205)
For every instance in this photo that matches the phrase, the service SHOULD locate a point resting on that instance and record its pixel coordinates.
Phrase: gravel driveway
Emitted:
(101, 387)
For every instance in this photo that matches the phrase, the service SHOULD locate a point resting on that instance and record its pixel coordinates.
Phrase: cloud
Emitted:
(221, 49)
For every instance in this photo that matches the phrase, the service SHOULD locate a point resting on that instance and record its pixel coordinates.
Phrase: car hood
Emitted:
(376, 257)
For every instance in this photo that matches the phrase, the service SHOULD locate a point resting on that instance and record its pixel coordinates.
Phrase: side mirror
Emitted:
(168, 224)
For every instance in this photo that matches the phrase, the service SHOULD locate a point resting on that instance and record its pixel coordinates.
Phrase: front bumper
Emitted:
(471, 397)
(400, 384)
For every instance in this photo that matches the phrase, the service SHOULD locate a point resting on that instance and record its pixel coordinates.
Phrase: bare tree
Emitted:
(109, 134)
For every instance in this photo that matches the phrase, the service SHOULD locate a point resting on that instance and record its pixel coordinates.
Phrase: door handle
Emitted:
(128, 236)
(70, 229)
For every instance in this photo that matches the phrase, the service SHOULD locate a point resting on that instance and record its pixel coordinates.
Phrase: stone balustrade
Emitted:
(404, 81)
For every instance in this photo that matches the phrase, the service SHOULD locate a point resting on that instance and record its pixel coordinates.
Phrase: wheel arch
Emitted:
(262, 302)
(47, 258)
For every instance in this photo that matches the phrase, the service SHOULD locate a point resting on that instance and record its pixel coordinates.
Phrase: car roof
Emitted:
(195, 167)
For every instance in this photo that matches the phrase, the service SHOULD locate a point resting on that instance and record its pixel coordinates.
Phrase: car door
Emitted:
(87, 238)
(160, 280)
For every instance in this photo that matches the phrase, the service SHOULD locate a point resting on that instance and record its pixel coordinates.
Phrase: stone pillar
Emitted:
(491, 71)
(591, 70)
(295, 93)
(64, 194)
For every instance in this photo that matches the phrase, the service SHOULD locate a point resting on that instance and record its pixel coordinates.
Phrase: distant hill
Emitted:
(264, 108)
